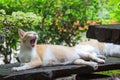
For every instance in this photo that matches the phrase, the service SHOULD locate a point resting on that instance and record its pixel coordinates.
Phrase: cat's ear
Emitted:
(21, 33)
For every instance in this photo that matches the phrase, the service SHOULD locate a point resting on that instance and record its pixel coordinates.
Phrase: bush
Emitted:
(114, 10)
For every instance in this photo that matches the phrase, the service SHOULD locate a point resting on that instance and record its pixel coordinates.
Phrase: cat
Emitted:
(33, 55)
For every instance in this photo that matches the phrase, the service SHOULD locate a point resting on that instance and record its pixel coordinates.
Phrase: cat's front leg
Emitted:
(23, 67)
(32, 64)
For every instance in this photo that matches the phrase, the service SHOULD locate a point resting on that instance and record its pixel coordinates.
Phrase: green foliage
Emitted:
(109, 11)
(109, 73)
(115, 10)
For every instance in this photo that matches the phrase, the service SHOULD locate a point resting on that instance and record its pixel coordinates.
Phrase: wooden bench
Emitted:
(50, 73)
(53, 72)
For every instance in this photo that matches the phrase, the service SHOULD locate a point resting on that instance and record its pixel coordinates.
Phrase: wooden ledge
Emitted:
(105, 33)
(49, 73)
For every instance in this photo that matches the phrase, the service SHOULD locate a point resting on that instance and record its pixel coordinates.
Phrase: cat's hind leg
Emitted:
(93, 56)
(89, 63)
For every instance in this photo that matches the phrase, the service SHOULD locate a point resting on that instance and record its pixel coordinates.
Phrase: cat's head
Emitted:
(29, 39)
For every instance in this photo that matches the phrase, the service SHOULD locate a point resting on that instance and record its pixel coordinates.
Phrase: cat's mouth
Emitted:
(32, 42)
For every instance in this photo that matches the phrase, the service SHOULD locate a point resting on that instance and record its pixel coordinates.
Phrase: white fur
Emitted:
(23, 67)
(88, 52)
(71, 58)
(26, 54)
(111, 49)
(50, 57)
(84, 50)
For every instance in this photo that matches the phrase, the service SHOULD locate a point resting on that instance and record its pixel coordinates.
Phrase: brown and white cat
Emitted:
(33, 55)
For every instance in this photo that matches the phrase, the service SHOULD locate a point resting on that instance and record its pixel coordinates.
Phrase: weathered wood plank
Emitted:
(105, 33)
(96, 77)
(42, 73)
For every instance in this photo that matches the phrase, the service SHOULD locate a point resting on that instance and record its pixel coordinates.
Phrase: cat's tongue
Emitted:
(32, 42)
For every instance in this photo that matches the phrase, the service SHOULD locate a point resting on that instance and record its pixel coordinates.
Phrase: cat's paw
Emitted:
(101, 61)
(102, 57)
(16, 69)
(24, 67)
(94, 65)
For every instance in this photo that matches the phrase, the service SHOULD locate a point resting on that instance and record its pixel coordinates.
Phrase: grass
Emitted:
(109, 73)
